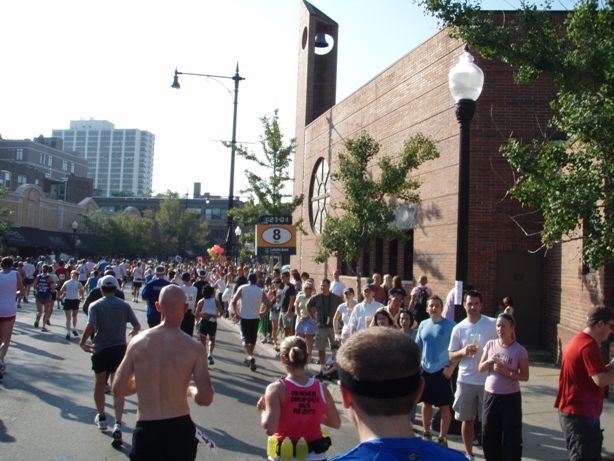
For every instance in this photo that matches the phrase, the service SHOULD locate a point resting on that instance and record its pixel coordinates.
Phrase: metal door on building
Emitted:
(519, 276)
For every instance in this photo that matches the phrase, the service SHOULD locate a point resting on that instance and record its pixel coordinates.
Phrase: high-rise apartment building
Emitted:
(119, 160)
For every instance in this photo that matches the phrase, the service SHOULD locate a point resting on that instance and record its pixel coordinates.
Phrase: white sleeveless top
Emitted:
(8, 294)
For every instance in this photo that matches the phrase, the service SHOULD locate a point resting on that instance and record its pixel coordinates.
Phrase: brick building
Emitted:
(551, 292)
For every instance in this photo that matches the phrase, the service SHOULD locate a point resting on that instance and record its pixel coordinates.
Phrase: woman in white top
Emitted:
(137, 281)
(72, 292)
(344, 311)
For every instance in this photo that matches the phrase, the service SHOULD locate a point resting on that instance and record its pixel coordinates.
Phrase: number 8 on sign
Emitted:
(277, 235)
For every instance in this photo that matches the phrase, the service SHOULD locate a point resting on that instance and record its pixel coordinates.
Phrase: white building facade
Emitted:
(119, 160)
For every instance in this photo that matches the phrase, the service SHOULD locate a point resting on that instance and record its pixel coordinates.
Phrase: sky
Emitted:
(66, 60)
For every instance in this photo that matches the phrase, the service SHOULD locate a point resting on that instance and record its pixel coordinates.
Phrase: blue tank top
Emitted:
(43, 287)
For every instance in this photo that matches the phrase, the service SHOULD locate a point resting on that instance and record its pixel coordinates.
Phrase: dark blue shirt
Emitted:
(151, 292)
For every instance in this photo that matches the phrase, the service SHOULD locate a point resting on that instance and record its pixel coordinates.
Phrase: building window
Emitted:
(408, 256)
(64, 165)
(43, 159)
(22, 179)
(393, 259)
(319, 196)
(50, 162)
(5, 179)
(19, 154)
(37, 182)
(208, 214)
(72, 167)
(379, 256)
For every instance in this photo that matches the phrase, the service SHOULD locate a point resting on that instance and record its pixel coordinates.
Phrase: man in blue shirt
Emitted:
(380, 382)
(433, 339)
(151, 293)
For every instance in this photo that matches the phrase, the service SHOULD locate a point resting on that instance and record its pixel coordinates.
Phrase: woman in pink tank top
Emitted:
(296, 405)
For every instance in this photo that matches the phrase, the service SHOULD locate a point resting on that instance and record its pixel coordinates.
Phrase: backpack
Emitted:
(419, 309)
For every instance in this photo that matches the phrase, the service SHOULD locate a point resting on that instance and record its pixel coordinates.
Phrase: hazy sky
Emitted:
(114, 60)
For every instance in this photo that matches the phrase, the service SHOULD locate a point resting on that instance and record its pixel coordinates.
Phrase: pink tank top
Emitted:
(302, 411)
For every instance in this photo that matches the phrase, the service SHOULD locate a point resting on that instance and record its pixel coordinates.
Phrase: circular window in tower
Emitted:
(319, 196)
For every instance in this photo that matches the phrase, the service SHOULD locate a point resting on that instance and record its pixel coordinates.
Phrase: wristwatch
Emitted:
(511, 374)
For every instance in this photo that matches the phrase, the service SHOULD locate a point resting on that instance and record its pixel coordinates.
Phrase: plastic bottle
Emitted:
(287, 449)
(302, 449)
(271, 447)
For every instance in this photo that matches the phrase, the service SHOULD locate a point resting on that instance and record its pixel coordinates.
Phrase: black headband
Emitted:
(386, 389)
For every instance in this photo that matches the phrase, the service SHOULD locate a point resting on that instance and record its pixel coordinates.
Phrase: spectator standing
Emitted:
(419, 300)
(323, 308)
(506, 363)
(466, 348)
(379, 294)
(364, 312)
(582, 381)
(337, 287)
(433, 339)
(288, 296)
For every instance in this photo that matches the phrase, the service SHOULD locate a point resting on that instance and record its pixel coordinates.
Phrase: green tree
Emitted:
(178, 229)
(368, 208)
(267, 195)
(569, 180)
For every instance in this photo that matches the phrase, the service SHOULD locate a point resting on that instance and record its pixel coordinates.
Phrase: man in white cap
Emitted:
(107, 319)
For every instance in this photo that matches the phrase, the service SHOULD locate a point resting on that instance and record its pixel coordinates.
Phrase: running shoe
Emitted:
(252, 364)
(426, 435)
(68, 336)
(117, 436)
(36, 322)
(102, 423)
(211, 361)
(44, 330)
(442, 441)
(469, 457)
(74, 333)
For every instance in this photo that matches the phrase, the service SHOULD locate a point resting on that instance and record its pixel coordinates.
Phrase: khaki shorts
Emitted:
(323, 337)
(468, 400)
(285, 323)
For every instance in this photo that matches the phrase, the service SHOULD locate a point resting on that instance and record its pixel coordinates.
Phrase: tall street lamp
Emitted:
(75, 226)
(466, 80)
(237, 78)
(238, 233)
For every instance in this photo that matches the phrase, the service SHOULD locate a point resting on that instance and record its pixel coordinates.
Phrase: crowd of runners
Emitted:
(469, 369)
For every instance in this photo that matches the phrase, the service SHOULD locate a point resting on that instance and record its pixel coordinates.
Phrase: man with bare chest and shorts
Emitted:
(164, 429)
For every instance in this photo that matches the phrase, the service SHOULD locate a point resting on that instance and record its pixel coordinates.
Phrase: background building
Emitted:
(118, 160)
(552, 291)
(43, 162)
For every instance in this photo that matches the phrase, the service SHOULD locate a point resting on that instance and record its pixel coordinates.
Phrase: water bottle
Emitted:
(287, 449)
(302, 449)
(271, 447)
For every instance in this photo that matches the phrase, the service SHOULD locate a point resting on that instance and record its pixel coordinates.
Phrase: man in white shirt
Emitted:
(338, 287)
(466, 347)
(364, 312)
(249, 314)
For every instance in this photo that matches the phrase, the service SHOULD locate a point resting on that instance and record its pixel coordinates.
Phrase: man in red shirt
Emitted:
(63, 275)
(581, 386)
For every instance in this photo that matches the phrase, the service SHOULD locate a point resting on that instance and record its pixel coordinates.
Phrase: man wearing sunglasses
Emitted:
(581, 386)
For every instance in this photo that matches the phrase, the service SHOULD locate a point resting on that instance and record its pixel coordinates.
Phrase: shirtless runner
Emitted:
(164, 429)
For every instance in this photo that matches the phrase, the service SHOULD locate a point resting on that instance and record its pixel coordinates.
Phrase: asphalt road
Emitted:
(47, 407)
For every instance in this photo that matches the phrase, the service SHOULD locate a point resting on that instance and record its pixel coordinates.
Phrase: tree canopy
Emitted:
(568, 177)
(369, 204)
(266, 195)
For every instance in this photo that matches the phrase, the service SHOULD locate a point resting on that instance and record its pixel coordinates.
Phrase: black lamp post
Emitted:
(75, 226)
(466, 81)
(238, 233)
(237, 78)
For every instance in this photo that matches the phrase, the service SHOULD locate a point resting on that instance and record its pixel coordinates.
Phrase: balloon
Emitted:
(218, 249)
